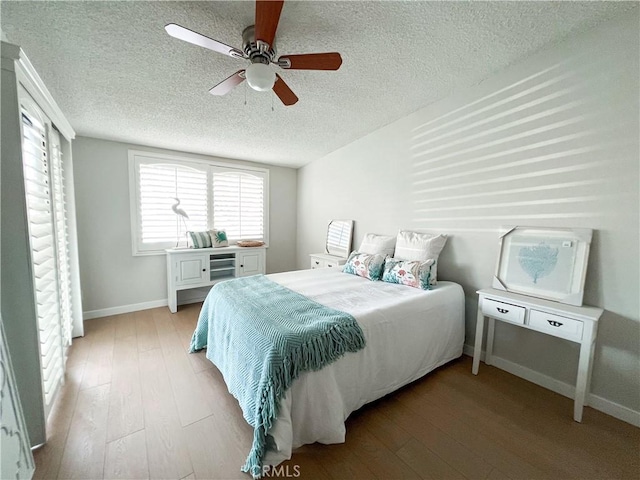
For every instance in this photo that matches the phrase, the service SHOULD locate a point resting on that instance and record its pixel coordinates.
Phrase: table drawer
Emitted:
(503, 311)
(556, 325)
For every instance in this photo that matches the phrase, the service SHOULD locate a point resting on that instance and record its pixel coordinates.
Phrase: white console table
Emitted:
(202, 267)
(577, 324)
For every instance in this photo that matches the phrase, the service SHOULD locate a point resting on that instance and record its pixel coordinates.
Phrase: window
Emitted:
(211, 195)
(238, 205)
(163, 186)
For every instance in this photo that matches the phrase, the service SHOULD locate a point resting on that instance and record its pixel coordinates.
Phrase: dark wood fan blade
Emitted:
(312, 61)
(267, 17)
(190, 36)
(228, 84)
(283, 92)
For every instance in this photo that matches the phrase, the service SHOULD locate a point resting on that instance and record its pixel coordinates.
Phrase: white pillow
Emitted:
(420, 247)
(377, 244)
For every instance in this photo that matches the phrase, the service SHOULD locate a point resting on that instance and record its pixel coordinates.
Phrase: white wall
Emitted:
(112, 279)
(550, 141)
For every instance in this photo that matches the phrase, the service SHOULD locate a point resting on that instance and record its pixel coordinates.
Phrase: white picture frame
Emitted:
(549, 263)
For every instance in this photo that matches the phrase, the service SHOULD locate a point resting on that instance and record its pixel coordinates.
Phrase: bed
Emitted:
(408, 333)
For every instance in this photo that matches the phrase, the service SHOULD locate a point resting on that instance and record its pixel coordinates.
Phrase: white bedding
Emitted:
(409, 332)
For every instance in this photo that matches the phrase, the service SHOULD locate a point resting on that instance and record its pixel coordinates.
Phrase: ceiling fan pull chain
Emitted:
(272, 95)
(245, 93)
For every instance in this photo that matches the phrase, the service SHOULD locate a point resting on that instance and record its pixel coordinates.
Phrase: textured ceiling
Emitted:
(117, 75)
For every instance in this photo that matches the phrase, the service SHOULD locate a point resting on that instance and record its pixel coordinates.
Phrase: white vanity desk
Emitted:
(577, 324)
(324, 260)
(338, 245)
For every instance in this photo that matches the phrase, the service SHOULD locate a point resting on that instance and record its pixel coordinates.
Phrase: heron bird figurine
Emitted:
(181, 213)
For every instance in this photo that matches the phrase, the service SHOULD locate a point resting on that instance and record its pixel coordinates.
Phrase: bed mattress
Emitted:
(408, 331)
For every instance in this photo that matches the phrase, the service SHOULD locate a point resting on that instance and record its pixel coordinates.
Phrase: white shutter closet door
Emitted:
(40, 215)
(62, 236)
(238, 204)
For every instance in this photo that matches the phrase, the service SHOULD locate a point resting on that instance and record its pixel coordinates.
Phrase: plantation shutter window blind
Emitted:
(159, 184)
(212, 195)
(49, 251)
(238, 204)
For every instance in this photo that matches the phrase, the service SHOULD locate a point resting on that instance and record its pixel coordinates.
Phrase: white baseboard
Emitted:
(185, 297)
(134, 307)
(594, 401)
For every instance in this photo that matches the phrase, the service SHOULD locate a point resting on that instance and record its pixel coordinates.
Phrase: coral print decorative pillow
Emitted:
(365, 265)
(411, 273)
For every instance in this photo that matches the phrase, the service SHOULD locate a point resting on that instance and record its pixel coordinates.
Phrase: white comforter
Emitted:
(409, 332)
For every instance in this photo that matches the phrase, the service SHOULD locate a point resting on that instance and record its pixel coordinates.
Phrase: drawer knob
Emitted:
(317, 263)
(502, 310)
(553, 323)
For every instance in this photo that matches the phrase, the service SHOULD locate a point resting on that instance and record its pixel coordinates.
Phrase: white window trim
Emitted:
(187, 162)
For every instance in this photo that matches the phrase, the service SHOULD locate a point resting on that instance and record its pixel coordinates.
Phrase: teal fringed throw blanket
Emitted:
(261, 336)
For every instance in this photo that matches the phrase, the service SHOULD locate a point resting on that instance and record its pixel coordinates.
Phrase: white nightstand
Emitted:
(577, 324)
(324, 260)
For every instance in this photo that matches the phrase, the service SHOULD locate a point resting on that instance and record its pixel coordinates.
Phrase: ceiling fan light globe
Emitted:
(260, 77)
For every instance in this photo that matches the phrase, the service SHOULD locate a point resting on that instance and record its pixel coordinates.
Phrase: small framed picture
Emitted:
(543, 262)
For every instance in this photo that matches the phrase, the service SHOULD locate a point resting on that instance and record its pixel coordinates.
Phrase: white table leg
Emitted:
(584, 370)
(173, 301)
(172, 294)
(490, 334)
(591, 359)
(477, 349)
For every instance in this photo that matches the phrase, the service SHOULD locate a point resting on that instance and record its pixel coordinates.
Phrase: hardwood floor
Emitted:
(136, 405)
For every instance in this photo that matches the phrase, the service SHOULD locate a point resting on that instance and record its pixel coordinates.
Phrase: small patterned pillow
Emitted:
(219, 238)
(199, 239)
(421, 247)
(412, 273)
(364, 265)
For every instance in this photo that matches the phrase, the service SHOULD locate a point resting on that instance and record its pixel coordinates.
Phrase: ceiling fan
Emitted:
(258, 46)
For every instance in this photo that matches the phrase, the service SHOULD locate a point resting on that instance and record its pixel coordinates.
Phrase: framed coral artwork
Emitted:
(548, 263)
